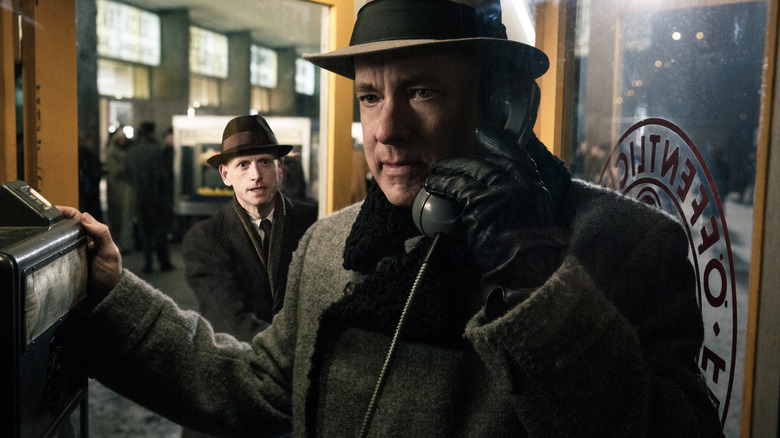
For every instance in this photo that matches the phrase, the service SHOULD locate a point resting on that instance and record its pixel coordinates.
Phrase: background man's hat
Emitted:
(247, 135)
(394, 25)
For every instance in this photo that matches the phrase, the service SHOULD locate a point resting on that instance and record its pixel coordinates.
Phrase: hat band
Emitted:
(387, 20)
(244, 138)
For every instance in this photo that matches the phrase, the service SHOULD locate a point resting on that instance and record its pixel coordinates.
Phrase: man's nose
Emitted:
(254, 171)
(392, 127)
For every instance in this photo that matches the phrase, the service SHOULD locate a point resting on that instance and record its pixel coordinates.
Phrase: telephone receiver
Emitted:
(511, 109)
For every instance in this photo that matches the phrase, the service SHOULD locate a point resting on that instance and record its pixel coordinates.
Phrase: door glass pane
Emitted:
(214, 79)
(668, 112)
(141, 61)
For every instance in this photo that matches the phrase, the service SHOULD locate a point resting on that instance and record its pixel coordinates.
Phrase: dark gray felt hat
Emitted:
(386, 26)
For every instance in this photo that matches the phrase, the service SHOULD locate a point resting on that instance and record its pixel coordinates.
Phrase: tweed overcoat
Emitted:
(605, 348)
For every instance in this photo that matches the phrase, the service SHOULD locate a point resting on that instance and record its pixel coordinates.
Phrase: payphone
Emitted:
(43, 276)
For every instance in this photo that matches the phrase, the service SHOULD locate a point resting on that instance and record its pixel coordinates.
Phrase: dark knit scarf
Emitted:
(446, 298)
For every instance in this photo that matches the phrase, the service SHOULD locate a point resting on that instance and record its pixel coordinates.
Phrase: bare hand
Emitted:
(105, 261)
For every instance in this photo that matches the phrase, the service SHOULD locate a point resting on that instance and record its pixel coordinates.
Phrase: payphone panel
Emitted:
(43, 275)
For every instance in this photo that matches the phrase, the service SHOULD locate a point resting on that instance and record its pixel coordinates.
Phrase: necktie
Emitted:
(265, 225)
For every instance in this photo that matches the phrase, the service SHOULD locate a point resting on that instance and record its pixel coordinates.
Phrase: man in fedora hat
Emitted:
(549, 307)
(235, 266)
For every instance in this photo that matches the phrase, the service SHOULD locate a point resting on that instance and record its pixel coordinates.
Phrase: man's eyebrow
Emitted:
(364, 87)
(426, 79)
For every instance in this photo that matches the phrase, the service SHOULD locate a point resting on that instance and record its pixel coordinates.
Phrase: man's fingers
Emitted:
(105, 269)
(69, 212)
(96, 230)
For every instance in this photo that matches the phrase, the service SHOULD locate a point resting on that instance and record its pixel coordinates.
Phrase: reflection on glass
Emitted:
(668, 112)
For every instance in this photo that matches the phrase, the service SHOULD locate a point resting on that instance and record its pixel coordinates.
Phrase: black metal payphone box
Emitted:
(43, 276)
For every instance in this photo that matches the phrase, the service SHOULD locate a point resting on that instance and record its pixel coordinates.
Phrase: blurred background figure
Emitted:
(90, 172)
(293, 183)
(146, 171)
(119, 193)
(171, 227)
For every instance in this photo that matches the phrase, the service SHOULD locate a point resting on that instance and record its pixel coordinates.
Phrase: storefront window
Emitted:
(158, 60)
(667, 111)
(121, 80)
(203, 92)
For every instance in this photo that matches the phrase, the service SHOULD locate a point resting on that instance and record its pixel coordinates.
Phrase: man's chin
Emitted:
(401, 198)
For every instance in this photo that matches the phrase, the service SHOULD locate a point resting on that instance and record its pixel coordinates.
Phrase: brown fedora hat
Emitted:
(395, 25)
(247, 135)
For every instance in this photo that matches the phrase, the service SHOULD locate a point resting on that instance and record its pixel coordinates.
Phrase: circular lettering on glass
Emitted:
(657, 163)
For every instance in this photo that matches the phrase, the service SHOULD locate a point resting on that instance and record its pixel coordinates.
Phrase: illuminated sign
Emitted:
(304, 77)
(262, 67)
(208, 53)
(127, 33)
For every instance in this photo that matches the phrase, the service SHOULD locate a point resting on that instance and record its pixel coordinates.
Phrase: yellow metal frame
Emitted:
(762, 375)
(339, 129)
(555, 23)
(7, 94)
(50, 121)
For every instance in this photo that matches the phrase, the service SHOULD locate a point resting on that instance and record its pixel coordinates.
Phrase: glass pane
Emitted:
(208, 60)
(135, 66)
(668, 112)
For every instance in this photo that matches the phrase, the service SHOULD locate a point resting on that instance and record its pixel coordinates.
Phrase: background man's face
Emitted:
(414, 111)
(255, 181)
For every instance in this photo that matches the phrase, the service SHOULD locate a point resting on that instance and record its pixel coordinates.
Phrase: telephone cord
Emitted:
(369, 416)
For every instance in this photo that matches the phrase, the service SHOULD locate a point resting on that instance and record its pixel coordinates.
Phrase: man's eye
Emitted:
(265, 162)
(368, 98)
(424, 93)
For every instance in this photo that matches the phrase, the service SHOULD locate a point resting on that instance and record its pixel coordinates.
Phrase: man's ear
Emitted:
(281, 167)
(223, 172)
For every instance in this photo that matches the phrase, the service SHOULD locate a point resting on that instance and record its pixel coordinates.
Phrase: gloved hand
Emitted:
(507, 217)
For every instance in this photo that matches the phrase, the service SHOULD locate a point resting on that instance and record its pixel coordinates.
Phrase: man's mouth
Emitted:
(401, 168)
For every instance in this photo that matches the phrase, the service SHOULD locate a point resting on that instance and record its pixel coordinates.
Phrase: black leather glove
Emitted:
(509, 225)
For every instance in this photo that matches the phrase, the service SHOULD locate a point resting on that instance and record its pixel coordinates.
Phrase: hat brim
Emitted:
(221, 158)
(497, 50)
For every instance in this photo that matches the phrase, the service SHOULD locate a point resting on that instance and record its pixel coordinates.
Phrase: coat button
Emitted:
(348, 289)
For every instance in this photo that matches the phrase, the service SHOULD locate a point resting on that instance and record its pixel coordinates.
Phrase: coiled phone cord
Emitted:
(380, 383)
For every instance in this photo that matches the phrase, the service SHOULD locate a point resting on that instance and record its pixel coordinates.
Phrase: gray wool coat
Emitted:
(605, 348)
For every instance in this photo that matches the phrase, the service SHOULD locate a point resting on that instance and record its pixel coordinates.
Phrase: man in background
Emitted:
(151, 185)
(238, 269)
